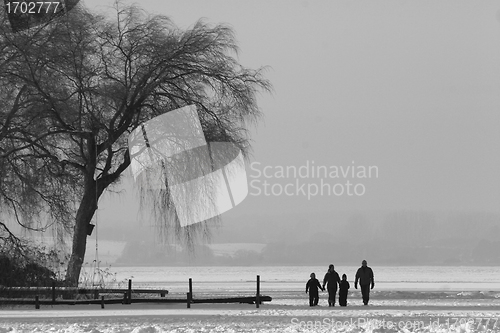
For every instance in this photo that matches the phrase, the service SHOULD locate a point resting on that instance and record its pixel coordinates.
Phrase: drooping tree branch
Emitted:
(80, 88)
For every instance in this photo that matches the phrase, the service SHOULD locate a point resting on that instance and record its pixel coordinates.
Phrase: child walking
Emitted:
(312, 286)
(344, 289)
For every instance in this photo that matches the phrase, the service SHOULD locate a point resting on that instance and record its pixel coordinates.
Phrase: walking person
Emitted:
(331, 280)
(365, 277)
(312, 287)
(343, 290)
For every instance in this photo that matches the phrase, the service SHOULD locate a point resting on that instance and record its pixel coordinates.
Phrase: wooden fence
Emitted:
(72, 296)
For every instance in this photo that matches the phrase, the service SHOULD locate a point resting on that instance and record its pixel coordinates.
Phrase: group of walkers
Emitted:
(364, 276)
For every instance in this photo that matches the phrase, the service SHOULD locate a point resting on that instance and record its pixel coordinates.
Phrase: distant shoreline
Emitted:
(292, 265)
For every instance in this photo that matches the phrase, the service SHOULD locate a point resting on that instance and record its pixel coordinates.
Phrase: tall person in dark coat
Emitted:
(365, 277)
(312, 287)
(343, 290)
(331, 280)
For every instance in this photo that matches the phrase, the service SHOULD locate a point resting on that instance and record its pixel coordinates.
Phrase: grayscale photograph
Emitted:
(250, 166)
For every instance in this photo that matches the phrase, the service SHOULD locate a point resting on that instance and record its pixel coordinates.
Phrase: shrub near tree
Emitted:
(29, 266)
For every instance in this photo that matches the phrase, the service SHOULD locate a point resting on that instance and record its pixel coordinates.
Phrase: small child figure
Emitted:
(312, 286)
(344, 289)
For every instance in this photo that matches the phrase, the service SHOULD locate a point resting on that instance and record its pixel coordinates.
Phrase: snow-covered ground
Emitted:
(405, 299)
(408, 312)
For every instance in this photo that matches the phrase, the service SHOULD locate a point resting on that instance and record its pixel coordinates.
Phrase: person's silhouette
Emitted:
(365, 277)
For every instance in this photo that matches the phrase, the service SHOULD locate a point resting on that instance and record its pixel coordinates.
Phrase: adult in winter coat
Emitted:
(365, 277)
(331, 280)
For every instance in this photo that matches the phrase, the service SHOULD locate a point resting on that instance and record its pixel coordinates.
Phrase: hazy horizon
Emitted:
(409, 88)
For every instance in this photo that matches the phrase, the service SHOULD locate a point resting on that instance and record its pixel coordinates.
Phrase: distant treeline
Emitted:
(139, 253)
(382, 252)
(392, 238)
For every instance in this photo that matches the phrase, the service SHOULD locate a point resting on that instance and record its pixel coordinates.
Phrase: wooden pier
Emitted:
(72, 296)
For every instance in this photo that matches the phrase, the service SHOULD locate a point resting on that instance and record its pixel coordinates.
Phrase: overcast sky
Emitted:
(411, 87)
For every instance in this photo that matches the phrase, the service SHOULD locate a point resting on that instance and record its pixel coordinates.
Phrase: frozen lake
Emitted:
(293, 278)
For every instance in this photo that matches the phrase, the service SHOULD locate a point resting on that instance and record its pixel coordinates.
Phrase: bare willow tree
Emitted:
(32, 189)
(80, 85)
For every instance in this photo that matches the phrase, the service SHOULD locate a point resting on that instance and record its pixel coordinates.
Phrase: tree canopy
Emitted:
(74, 90)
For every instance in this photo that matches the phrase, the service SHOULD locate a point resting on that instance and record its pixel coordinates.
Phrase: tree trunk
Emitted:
(86, 210)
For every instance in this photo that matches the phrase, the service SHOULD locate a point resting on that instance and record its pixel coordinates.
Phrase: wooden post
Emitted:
(190, 293)
(257, 296)
(102, 302)
(191, 287)
(188, 300)
(129, 296)
(53, 291)
(37, 302)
